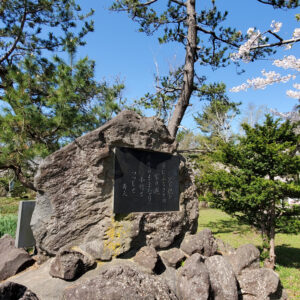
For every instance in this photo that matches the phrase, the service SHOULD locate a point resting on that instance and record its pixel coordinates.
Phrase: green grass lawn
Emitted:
(8, 215)
(8, 224)
(287, 245)
(9, 205)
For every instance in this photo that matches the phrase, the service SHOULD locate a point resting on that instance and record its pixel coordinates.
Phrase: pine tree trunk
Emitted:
(268, 236)
(266, 242)
(189, 70)
(272, 255)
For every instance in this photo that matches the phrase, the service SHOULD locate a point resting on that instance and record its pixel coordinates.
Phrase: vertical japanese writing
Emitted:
(164, 182)
(149, 194)
(156, 184)
(124, 190)
(141, 186)
(170, 188)
(133, 181)
(145, 181)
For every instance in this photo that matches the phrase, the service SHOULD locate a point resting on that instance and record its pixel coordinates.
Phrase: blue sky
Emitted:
(121, 51)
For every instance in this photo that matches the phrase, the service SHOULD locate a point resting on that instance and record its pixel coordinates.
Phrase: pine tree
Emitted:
(44, 101)
(255, 177)
(49, 105)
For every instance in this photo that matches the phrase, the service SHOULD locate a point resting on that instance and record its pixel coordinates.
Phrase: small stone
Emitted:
(11, 290)
(146, 257)
(173, 258)
(69, 265)
(193, 279)
(170, 277)
(12, 260)
(222, 278)
(98, 250)
(118, 281)
(259, 284)
(224, 248)
(246, 256)
(203, 243)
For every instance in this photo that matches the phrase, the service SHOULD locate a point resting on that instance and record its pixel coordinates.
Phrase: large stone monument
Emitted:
(75, 200)
(123, 191)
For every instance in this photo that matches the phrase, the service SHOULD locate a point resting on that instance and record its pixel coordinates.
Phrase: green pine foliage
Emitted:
(45, 102)
(281, 3)
(252, 178)
(49, 105)
(38, 26)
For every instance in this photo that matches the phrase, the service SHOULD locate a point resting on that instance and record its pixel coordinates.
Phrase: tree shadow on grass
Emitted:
(227, 226)
(288, 256)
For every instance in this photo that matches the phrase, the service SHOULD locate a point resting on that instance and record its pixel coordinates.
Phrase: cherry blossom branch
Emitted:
(294, 94)
(271, 77)
(256, 38)
(261, 82)
(280, 43)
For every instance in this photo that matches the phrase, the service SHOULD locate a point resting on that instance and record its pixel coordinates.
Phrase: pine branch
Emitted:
(20, 176)
(214, 35)
(139, 5)
(178, 2)
(17, 39)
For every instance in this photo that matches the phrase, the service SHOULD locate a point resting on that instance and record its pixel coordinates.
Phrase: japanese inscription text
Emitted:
(145, 181)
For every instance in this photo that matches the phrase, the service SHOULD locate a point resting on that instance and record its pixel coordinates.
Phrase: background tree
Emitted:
(205, 41)
(254, 114)
(44, 101)
(188, 140)
(214, 123)
(255, 176)
(216, 119)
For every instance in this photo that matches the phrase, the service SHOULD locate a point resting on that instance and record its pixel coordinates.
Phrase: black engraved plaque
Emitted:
(145, 181)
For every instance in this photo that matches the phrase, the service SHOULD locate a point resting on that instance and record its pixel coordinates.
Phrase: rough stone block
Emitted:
(121, 281)
(12, 260)
(146, 257)
(74, 204)
(13, 291)
(193, 279)
(24, 235)
(203, 243)
(259, 284)
(222, 279)
(173, 257)
(246, 256)
(69, 265)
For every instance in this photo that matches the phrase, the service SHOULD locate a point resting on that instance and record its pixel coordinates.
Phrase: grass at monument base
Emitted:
(9, 215)
(223, 226)
(287, 245)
